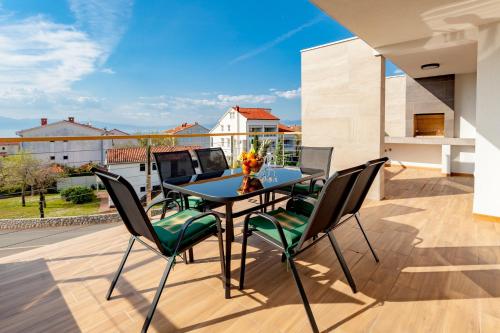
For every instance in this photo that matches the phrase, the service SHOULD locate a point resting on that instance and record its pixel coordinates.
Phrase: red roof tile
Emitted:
(256, 113)
(138, 154)
(284, 128)
(180, 128)
(9, 143)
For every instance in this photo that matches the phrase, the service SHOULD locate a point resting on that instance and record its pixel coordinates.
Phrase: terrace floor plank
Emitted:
(439, 272)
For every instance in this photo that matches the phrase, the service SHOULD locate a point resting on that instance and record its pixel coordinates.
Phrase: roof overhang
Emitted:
(413, 33)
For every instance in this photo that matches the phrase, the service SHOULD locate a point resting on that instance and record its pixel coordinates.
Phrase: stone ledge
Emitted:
(63, 221)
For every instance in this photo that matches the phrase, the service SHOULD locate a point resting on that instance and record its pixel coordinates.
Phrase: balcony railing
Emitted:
(52, 164)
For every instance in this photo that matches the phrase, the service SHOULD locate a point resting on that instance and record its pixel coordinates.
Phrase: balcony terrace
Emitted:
(439, 271)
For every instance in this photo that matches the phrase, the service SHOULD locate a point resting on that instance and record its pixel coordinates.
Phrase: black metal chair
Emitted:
(211, 159)
(174, 166)
(305, 206)
(315, 158)
(170, 236)
(289, 231)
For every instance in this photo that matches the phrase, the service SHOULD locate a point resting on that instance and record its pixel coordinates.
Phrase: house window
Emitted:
(52, 157)
(142, 167)
(142, 189)
(229, 128)
(65, 157)
(222, 128)
(231, 115)
(153, 166)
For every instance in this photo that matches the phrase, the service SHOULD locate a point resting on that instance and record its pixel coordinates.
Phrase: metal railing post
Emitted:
(148, 173)
(232, 151)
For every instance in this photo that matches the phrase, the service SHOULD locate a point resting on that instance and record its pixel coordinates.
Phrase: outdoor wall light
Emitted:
(433, 65)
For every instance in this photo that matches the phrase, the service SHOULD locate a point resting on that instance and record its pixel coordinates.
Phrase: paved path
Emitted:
(16, 241)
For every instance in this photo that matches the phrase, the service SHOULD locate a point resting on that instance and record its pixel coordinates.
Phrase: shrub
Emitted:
(78, 194)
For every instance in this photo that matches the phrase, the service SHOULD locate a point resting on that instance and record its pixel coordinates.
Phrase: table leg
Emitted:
(229, 240)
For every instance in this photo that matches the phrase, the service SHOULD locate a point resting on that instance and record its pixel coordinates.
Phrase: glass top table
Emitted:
(229, 186)
(232, 185)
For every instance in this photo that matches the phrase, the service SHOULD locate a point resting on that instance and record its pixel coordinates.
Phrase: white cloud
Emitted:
(104, 20)
(288, 94)
(108, 71)
(277, 40)
(38, 55)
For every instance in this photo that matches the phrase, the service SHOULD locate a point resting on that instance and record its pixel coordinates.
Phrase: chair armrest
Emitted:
(186, 225)
(158, 200)
(292, 204)
(313, 183)
(274, 221)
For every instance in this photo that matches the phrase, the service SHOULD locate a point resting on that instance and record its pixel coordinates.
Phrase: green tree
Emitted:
(278, 153)
(45, 177)
(19, 172)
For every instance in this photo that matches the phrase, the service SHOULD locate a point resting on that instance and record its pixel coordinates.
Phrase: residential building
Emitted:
(8, 148)
(74, 153)
(130, 162)
(195, 128)
(239, 119)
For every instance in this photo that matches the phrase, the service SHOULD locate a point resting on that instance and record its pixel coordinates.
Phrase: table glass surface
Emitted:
(231, 184)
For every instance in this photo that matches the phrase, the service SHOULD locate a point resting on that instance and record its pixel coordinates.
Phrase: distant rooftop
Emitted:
(138, 154)
(71, 121)
(255, 113)
(181, 128)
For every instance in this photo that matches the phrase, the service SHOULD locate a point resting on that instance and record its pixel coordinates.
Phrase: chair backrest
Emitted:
(128, 206)
(363, 185)
(318, 158)
(174, 164)
(211, 159)
(331, 202)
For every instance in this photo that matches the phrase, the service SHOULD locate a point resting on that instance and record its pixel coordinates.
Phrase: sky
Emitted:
(155, 63)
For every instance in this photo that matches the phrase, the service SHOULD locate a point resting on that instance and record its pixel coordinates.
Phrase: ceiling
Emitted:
(413, 33)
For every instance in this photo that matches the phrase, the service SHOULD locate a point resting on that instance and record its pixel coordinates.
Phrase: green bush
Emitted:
(78, 194)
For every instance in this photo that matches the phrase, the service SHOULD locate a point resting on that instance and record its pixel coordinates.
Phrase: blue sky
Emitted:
(155, 63)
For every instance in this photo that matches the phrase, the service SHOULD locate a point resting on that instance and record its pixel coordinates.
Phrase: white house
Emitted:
(239, 119)
(195, 128)
(74, 153)
(130, 163)
(8, 148)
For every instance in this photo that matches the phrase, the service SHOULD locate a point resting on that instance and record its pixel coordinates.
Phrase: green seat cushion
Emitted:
(168, 229)
(197, 203)
(303, 205)
(303, 188)
(293, 226)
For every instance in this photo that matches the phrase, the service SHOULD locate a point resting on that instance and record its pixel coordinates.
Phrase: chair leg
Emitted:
(221, 254)
(366, 237)
(243, 254)
(342, 262)
(273, 198)
(152, 308)
(191, 255)
(185, 258)
(303, 296)
(120, 268)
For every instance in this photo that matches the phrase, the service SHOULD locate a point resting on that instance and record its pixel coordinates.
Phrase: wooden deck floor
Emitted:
(439, 272)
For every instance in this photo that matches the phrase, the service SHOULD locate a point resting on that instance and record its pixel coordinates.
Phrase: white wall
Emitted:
(131, 172)
(395, 106)
(343, 93)
(203, 142)
(416, 155)
(487, 172)
(462, 157)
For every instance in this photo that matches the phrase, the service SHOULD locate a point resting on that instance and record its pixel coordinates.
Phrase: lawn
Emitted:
(11, 207)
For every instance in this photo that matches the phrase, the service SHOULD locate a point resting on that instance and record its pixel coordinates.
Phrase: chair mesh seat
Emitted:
(293, 226)
(168, 229)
